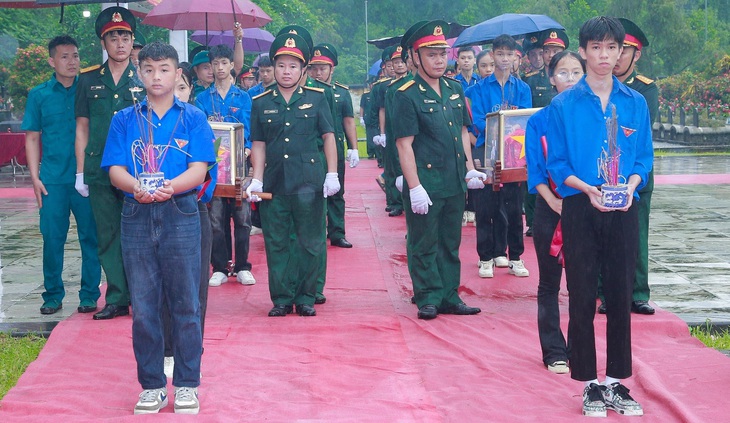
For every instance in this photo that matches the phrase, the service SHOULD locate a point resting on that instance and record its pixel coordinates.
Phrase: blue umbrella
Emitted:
(510, 23)
(375, 68)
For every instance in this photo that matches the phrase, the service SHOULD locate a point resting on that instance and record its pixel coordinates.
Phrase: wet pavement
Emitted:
(689, 249)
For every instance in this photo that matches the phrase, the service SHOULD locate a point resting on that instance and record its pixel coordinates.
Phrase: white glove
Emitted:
(254, 186)
(362, 121)
(376, 140)
(420, 200)
(399, 183)
(331, 184)
(382, 140)
(80, 186)
(475, 179)
(353, 156)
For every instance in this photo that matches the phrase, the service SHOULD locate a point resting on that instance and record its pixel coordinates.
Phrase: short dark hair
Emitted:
(504, 41)
(221, 51)
(265, 61)
(158, 51)
(61, 40)
(464, 49)
(601, 28)
(559, 56)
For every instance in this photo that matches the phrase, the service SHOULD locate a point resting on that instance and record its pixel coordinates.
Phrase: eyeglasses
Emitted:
(565, 76)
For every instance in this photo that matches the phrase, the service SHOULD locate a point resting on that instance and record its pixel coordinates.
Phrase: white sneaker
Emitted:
(471, 217)
(169, 366)
(486, 269)
(501, 261)
(465, 218)
(217, 279)
(559, 367)
(244, 277)
(186, 401)
(255, 230)
(517, 268)
(151, 401)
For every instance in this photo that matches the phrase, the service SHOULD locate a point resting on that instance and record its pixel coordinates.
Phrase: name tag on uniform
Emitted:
(429, 101)
(337, 96)
(454, 96)
(305, 106)
(97, 87)
(271, 112)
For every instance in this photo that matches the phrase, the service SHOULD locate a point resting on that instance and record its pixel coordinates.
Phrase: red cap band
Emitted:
(632, 41)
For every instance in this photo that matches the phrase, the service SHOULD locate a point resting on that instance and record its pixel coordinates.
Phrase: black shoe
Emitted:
(460, 309)
(641, 307)
(529, 231)
(51, 309)
(87, 308)
(111, 311)
(306, 310)
(380, 165)
(342, 243)
(395, 212)
(428, 312)
(388, 209)
(281, 310)
(602, 308)
(413, 299)
(320, 299)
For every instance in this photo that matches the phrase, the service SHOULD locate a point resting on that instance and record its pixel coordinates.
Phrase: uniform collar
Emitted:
(56, 84)
(618, 87)
(631, 78)
(426, 90)
(176, 103)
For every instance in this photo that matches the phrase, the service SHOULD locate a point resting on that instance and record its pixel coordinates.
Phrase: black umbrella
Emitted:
(455, 29)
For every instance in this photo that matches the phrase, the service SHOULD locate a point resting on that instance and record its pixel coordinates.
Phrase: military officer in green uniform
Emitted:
(625, 71)
(434, 152)
(102, 91)
(377, 96)
(203, 72)
(292, 133)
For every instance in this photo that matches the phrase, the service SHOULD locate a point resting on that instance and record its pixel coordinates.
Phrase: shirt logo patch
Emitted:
(233, 109)
(271, 112)
(305, 106)
(628, 131)
(181, 143)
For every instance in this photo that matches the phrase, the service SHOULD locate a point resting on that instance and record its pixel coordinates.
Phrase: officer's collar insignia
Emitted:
(628, 131)
(454, 96)
(317, 53)
(305, 106)
(275, 94)
(271, 112)
(300, 90)
(553, 34)
(429, 101)
(420, 87)
(438, 30)
(290, 43)
(101, 72)
(181, 143)
(130, 74)
(117, 17)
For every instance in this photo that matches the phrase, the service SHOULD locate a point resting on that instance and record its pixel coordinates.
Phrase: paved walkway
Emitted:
(689, 247)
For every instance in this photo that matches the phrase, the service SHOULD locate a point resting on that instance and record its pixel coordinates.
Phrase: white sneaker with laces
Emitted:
(471, 217)
(255, 230)
(617, 398)
(217, 279)
(245, 277)
(186, 400)
(465, 218)
(517, 268)
(151, 401)
(559, 367)
(486, 269)
(501, 261)
(169, 366)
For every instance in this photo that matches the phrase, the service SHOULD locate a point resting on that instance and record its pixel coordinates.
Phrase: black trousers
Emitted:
(596, 243)
(499, 222)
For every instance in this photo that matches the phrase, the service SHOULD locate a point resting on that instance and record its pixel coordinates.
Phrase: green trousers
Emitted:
(336, 203)
(433, 250)
(106, 205)
(393, 198)
(294, 236)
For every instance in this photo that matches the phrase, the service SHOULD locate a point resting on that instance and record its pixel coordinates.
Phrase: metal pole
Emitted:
(705, 21)
(367, 52)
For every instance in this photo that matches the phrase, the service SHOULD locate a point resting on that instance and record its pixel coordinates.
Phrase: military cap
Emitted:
(300, 31)
(290, 44)
(519, 50)
(331, 48)
(139, 40)
(200, 58)
(246, 72)
(634, 35)
(531, 42)
(554, 37)
(432, 34)
(409, 32)
(397, 53)
(386, 55)
(115, 19)
(323, 55)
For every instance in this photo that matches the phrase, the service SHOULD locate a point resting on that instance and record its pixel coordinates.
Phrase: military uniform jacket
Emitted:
(295, 162)
(435, 123)
(343, 107)
(540, 87)
(377, 95)
(648, 88)
(98, 99)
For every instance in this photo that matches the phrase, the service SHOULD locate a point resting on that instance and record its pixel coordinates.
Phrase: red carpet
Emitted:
(366, 357)
(17, 192)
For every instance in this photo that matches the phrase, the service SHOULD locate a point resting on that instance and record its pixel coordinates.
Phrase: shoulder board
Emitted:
(342, 85)
(90, 68)
(319, 90)
(383, 80)
(452, 78)
(644, 79)
(407, 85)
(262, 94)
(533, 73)
(366, 92)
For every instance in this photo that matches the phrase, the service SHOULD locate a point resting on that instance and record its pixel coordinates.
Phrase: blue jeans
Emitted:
(161, 251)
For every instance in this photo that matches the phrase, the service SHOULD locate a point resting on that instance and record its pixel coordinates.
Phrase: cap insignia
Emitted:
(553, 34)
(290, 43)
(117, 17)
(399, 49)
(533, 39)
(317, 53)
(438, 30)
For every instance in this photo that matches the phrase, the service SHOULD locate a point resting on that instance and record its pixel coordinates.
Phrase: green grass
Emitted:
(15, 356)
(719, 340)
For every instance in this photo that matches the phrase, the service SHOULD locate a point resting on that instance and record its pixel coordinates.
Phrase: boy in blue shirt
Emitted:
(161, 228)
(597, 239)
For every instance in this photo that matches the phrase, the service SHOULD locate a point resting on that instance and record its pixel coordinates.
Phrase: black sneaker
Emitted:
(617, 398)
(593, 403)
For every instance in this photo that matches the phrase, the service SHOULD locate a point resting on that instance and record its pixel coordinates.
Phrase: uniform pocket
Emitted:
(305, 122)
(312, 168)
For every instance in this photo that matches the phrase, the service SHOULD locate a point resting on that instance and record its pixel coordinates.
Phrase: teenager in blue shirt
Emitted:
(225, 102)
(466, 61)
(563, 71)
(596, 239)
(498, 213)
(161, 230)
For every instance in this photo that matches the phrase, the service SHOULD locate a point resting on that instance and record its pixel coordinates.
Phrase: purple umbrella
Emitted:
(255, 40)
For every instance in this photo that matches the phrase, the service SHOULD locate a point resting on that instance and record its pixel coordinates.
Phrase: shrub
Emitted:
(30, 69)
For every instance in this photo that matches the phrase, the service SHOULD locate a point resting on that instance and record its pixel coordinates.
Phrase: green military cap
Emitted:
(322, 55)
(331, 48)
(554, 37)
(115, 19)
(246, 72)
(519, 50)
(385, 56)
(398, 53)
(432, 34)
(300, 31)
(290, 44)
(407, 35)
(139, 40)
(200, 58)
(634, 35)
(531, 42)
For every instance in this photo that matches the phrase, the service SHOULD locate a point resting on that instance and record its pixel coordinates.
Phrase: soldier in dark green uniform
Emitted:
(377, 94)
(293, 136)
(625, 71)
(435, 153)
(203, 73)
(103, 91)
(369, 131)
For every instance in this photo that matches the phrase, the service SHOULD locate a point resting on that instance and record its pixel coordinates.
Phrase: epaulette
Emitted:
(342, 85)
(381, 80)
(90, 68)
(452, 78)
(319, 90)
(407, 85)
(644, 79)
(262, 94)
(529, 74)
